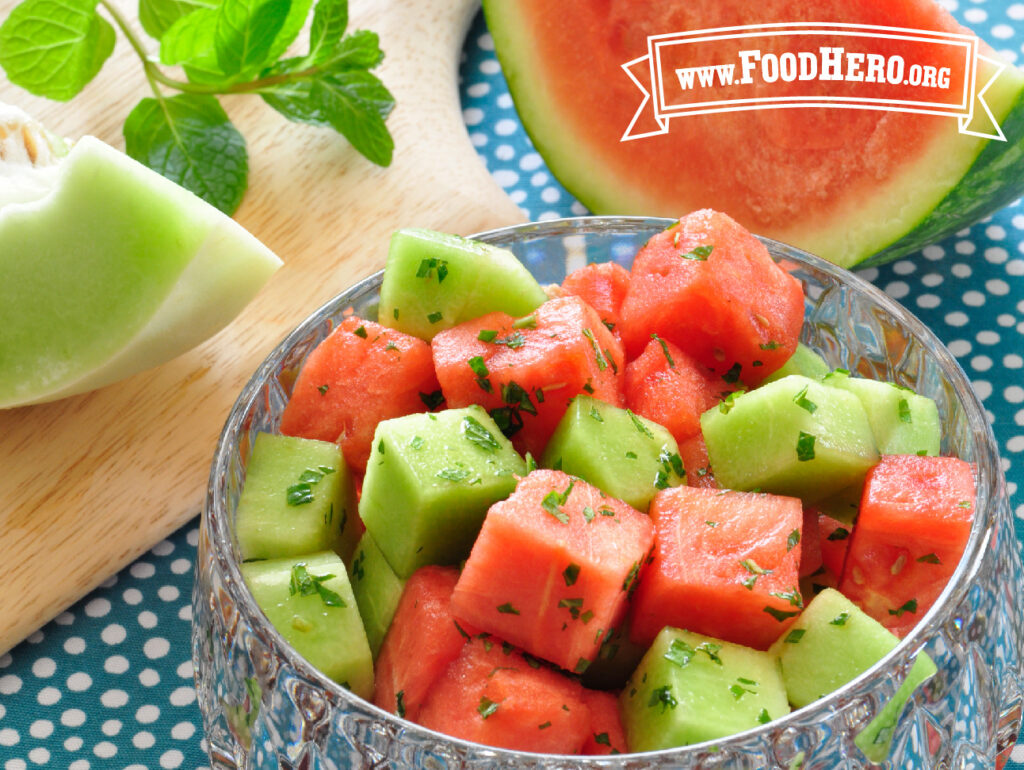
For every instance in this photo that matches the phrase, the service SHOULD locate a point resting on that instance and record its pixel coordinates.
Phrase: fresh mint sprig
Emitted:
(54, 48)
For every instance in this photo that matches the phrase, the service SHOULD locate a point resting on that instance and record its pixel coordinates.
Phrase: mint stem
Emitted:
(156, 75)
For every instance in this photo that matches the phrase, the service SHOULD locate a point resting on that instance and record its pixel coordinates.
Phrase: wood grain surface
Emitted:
(89, 483)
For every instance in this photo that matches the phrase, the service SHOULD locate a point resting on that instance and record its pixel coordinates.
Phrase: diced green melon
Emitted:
(429, 482)
(903, 422)
(844, 504)
(620, 453)
(832, 642)
(434, 281)
(298, 498)
(309, 601)
(804, 361)
(691, 688)
(377, 590)
(793, 437)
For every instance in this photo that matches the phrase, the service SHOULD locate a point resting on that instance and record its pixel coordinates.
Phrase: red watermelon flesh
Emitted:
(359, 375)
(694, 454)
(602, 286)
(725, 565)
(423, 639)
(491, 694)
(840, 183)
(577, 555)
(606, 735)
(834, 537)
(665, 385)
(710, 287)
(929, 501)
(810, 544)
(526, 372)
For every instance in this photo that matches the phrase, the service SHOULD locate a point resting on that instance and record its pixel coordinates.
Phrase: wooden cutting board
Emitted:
(89, 483)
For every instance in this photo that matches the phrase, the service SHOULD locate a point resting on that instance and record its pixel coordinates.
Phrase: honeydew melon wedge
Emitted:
(852, 186)
(106, 268)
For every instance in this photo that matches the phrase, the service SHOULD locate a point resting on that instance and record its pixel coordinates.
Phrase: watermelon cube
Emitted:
(309, 601)
(553, 567)
(298, 498)
(793, 436)
(694, 453)
(429, 483)
(603, 286)
(492, 694)
(710, 287)
(725, 564)
(834, 536)
(830, 644)
(361, 374)
(915, 519)
(606, 734)
(423, 639)
(666, 385)
(691, 688)
(625, 456)
(525, 372)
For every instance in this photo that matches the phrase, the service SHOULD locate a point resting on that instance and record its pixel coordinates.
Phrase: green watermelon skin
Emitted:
(995, 179)
(952, 180)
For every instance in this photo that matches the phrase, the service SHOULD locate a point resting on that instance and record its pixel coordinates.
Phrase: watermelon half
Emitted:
(854, 186)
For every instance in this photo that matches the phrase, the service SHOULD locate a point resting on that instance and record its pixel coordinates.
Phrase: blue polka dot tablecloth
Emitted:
(108, 683)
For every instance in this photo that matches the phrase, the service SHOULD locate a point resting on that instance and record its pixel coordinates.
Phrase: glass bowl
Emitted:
(264, 706)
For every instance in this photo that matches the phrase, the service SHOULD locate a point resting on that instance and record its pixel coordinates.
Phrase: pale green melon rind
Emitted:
(115, 271)
(954, 170)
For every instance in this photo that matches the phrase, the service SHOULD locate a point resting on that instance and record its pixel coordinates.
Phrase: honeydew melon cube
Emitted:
(903, 422)
(804, 361)
(832, 642)
(430, 479)
(434, 281)
(690, 688)
(309, 601)
(298, 498)
(792, 437)
(377, 590)
(622, 454)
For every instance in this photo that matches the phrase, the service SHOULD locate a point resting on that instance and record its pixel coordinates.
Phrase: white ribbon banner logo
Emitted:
(844, 66)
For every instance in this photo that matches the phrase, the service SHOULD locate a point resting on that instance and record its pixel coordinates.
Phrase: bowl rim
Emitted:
(990, 484)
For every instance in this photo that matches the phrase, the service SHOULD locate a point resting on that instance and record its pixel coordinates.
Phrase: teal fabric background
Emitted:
(108, 684)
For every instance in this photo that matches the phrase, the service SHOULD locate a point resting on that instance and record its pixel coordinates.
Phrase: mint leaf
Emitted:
(246, 30)
(190, 140)
(53, 48)
(157, 16)
(290, 29)
(190, 38)
(330, 18)
(360, 50)
(354, 103)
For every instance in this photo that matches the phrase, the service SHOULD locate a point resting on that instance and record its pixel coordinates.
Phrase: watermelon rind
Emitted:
(955, 180)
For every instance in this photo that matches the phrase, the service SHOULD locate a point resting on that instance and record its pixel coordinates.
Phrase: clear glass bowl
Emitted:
(264, 706)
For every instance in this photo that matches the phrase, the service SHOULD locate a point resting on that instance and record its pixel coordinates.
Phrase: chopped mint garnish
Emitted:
(305, 584)
(700, 253)
(479, 435)
(805, 447)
